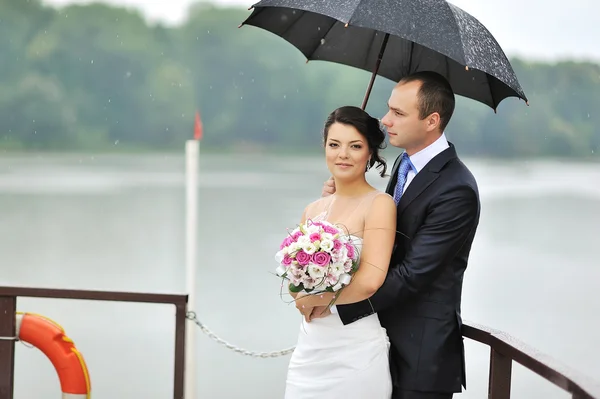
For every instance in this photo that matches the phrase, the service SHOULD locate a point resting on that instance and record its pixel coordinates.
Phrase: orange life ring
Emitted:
(50, 338)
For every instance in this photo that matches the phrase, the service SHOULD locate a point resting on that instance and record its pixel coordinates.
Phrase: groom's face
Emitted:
(404, 126)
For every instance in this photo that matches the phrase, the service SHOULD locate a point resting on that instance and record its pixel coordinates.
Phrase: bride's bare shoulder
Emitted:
(316, 207)
(378, 193)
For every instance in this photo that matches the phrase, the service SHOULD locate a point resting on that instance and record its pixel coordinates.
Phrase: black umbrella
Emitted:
(393, 38)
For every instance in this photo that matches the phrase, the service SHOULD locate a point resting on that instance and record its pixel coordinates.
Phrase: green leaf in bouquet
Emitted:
(296, 288)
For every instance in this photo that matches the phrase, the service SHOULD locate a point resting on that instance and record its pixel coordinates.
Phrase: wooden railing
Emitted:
(504, 349)
(8, 304)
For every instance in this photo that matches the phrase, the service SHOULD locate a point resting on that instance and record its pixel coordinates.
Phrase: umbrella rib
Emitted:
(370, 47)
(335, 21)
(462, 44)
(489, 85)
(287, 29)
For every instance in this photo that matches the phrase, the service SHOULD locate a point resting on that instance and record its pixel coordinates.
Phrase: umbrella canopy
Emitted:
(394, 38)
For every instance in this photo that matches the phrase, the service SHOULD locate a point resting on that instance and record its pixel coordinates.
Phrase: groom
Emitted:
(438, 213)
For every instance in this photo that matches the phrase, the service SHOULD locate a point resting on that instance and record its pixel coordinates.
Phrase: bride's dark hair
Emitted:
(367, 126)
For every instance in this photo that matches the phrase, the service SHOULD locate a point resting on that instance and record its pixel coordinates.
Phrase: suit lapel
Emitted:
(392, 182)
(425, 177)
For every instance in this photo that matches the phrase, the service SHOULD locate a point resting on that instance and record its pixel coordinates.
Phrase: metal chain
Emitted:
(16, 339)
(192, 316)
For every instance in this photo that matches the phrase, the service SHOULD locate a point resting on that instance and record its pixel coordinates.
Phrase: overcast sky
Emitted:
(536, 29)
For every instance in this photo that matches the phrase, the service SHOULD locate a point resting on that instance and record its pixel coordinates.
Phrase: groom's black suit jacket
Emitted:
(419, 302)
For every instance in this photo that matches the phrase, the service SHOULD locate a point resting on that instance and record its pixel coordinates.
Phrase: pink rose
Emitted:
(337, 245)
(286, 260)
(302, 258)
(350, 249)
(297, 235)
(286, 242)
(315, 237)
(330, 230)
(321, 258)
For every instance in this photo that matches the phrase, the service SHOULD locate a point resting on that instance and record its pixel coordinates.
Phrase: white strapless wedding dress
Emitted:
(336, 361)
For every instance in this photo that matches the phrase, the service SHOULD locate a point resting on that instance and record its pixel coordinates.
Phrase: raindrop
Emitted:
(241, 97)
(92, 62)
(208, 32)
(116, 142)
(109, 100)
(318, 28)
(588, 115)
(284, 96)
(128, 74)
(322, 42)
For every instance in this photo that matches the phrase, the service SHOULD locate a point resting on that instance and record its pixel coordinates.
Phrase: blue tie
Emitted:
(403, 169)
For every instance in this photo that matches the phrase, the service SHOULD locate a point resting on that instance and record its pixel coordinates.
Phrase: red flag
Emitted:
(197, 127)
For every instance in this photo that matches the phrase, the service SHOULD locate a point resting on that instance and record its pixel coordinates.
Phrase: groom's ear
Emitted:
(433, 121)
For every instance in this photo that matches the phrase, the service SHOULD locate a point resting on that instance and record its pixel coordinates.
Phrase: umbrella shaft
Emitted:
(379, 58)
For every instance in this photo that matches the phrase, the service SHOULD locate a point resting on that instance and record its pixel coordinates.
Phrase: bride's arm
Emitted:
(378, 243)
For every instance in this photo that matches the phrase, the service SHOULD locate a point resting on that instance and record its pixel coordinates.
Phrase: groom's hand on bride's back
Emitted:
(328, 187)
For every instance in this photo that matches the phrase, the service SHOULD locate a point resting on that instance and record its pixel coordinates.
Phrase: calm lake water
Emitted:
(117, 223)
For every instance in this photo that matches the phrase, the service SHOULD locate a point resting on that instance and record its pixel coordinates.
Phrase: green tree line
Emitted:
(96, 77)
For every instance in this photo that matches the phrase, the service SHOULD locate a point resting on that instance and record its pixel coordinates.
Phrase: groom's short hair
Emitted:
(435, 95)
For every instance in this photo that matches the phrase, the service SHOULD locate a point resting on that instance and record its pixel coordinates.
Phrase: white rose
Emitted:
(309, 248)
(312, 229)
(337, 269)
(294, 247)
(316, 272)
(327, 236)
(303, 240)
(326, 245)
(280, 254)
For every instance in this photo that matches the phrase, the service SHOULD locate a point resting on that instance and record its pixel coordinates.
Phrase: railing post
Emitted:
(500, 376)
(8, 308)
(180, 325)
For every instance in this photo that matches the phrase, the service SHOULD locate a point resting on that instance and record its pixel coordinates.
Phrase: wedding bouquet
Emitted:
(317, 256)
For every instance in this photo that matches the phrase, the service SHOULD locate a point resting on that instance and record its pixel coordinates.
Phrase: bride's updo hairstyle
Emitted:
(367, 126)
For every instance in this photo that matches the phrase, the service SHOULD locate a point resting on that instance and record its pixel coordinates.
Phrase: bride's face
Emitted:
(346, 152)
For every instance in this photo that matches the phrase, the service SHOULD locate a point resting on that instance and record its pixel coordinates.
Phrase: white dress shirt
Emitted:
(422, 158)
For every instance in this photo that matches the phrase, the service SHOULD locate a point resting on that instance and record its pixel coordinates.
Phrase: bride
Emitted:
(332, 360)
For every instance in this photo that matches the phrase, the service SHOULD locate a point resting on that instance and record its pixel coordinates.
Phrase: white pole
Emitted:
(192, 149)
